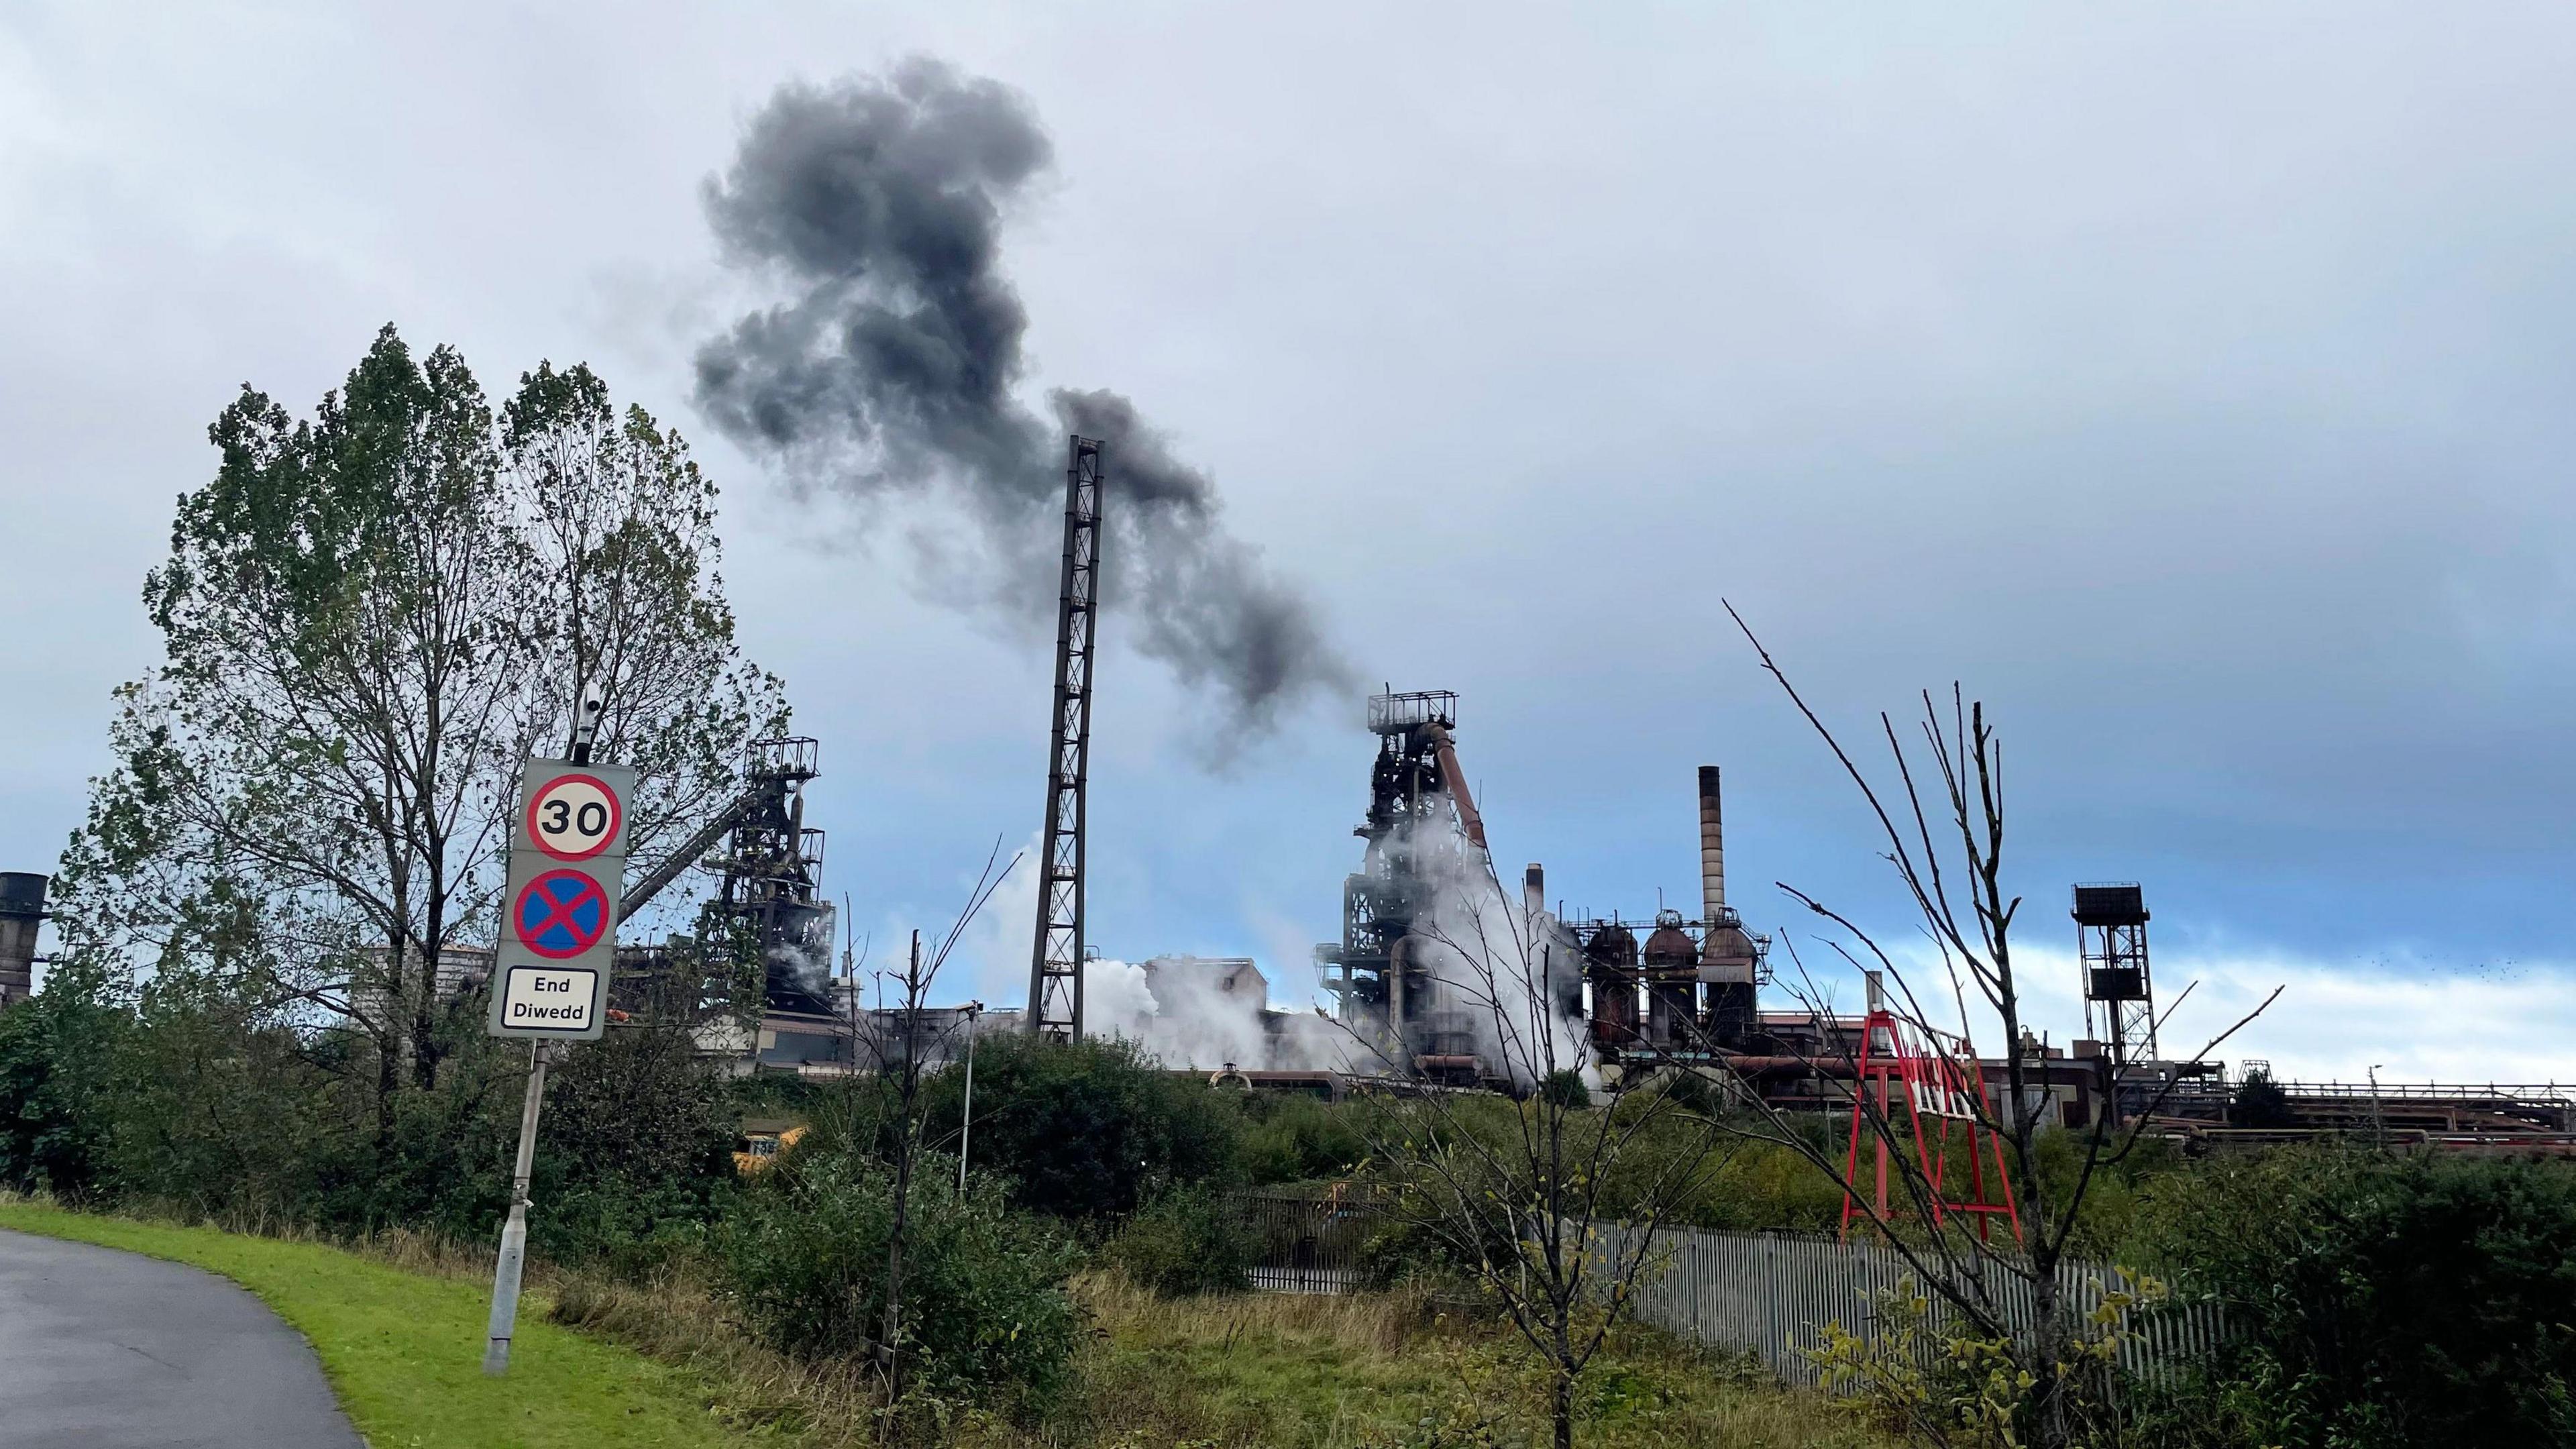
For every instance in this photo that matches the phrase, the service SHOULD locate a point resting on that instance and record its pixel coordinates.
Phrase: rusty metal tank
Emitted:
(1610, 965)
(1672, 984)
(1727, 960)
(1670, 948)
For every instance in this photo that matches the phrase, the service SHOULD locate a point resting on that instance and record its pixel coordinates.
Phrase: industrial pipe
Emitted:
(1758, 1066)
(1456, 781)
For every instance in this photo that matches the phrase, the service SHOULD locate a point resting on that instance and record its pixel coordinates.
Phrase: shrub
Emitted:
(1190, 1240)
(637, 1148)
(803, 1256)
(197, 1096)
(2383, 1300)
(1295, 1138)
(214, 1110)
(1565, 1088)
(1091, 1130)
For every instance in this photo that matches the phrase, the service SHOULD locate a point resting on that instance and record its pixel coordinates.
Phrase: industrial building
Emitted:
(1407, 974)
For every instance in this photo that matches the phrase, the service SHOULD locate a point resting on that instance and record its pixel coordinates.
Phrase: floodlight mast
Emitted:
(1055, 966)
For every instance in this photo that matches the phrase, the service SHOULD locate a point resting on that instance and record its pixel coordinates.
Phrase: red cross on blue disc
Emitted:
(561, 914)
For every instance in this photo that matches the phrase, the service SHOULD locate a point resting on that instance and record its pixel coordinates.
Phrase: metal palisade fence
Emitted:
(1771, 1296)
(1308, 1244)
(1766, 1295)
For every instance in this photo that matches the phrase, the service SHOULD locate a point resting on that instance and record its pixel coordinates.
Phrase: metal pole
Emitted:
(585, 723)
(514, 1231)
(966, 1122)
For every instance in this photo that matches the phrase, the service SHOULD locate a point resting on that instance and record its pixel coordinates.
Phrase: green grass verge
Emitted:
(405, 1352)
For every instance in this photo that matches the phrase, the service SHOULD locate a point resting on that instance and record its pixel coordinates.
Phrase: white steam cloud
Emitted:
(1507, 978)
(1183, 1011)
(1188, 1022)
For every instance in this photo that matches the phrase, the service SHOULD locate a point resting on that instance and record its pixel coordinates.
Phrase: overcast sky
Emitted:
(2191, 382)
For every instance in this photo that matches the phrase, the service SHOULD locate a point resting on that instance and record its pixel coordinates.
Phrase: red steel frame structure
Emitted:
(1941, 1080)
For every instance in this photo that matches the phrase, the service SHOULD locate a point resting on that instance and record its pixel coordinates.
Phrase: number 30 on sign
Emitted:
(573, 817)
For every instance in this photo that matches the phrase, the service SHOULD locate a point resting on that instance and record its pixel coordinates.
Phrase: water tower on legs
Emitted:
(2119, 991)
(22, 913)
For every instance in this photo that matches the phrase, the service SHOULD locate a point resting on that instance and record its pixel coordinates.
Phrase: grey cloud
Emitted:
(878, 204)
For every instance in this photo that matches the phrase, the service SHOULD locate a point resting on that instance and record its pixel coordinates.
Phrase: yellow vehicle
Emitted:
(762, 1141)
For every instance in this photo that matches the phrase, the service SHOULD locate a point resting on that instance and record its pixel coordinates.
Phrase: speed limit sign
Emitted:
(573, 816)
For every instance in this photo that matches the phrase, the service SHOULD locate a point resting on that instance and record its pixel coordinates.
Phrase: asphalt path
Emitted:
(107, 1350)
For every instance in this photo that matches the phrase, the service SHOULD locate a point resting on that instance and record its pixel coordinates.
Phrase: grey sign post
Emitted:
(550, 973)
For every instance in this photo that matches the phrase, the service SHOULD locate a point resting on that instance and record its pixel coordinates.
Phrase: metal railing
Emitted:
(1394, 713)
(2538, 1093)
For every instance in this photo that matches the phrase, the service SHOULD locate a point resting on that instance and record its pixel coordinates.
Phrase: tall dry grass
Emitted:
(1360, 1322)
(678, 1320)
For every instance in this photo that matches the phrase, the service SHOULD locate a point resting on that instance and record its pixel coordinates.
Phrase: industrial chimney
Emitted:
(1551, 946)
(1727, 956)
(1712, 848)
(22, 910)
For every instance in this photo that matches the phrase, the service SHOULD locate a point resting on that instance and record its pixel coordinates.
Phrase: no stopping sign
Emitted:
(561, 914)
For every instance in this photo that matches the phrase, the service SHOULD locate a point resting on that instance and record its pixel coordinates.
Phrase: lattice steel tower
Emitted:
(2111, 935)
(773, 868)
(1055, 963)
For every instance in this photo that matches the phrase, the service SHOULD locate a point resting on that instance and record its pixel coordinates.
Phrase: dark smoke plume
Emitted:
(892, 368)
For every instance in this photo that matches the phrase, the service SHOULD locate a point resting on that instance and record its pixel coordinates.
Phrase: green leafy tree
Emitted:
(56, 1058)
(368, 617)
(318, 760)
(2260, 1102)
(620, 522)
